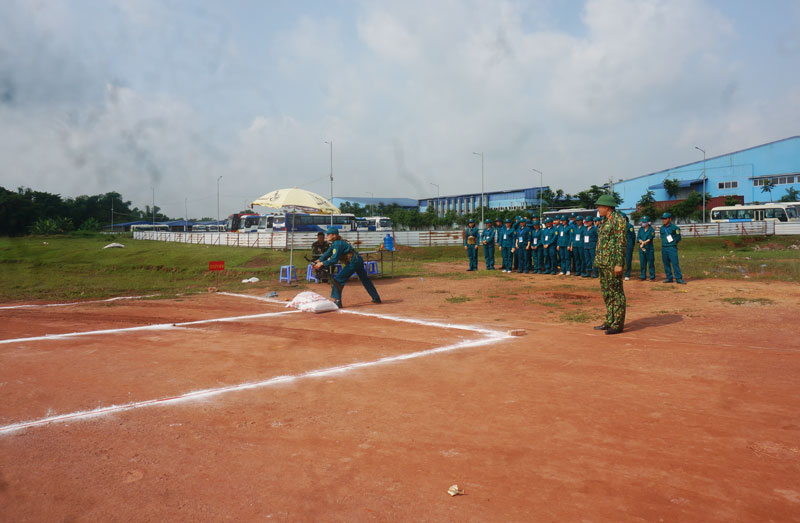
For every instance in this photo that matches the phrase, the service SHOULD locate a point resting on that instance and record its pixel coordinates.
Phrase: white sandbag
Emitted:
(114, 246)
(250, 280)
(309, 301)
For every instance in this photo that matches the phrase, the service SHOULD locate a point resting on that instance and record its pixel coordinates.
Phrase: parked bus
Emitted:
(767, 212)
(242, 222)
(149, 227)
(304, 222)
(379, 223)
(362, 224)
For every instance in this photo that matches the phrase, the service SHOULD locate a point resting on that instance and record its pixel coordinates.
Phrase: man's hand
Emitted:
(318, 265)
(618, 270)
(465, 247)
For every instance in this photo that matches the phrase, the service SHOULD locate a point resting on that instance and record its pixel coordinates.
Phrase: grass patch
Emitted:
(577, 316)
(458, 299)
(548, 304)
(742, 301)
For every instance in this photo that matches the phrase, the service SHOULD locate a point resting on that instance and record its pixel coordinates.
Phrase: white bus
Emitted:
(304, 222)
(379, 223)
(149, 227)
(766, 212)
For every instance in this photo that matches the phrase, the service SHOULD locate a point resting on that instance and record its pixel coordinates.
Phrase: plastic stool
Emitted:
(288, 273)
(310, 274)
(371, 267)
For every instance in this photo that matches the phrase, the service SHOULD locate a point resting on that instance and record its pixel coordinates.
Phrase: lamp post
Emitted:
(218, 179)
(481, 155)
(541, 180)
(704, 182)
(438, 199)
(330, 142)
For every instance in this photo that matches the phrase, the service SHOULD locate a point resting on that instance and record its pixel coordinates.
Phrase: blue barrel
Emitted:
(388, 242)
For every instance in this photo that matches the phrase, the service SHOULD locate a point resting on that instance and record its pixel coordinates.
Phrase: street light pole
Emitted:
(218, 179)
(481, 155)
(438, 199)
(154, 206)
(704, 182)
(330, 142)
(541, 180)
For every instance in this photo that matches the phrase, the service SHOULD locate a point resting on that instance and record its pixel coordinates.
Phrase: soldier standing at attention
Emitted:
(670, 236)
(506, 244)
(549, 247)
(498, 230)
(562, 243)
(514, 229)
(536, 251)
(589, 245)
(471, 235)
(487, 239)
(647, 257)
(342, 252)
(610, 260)
(521, 245)
(576, 245)
(630, 235)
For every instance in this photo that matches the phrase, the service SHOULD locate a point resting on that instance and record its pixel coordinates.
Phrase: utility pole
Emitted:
(154, 205)
(185, 214)
(704, 182)
(330, 142)
(541, 180)
(112, 214)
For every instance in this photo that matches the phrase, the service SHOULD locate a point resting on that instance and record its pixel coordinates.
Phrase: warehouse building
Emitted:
(741, 174)
(495, 200)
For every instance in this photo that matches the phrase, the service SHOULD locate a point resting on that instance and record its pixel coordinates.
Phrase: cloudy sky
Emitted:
(168, 95)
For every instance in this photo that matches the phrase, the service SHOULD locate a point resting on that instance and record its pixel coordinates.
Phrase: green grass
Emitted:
(458, 299)
(577, 316)
(69, 267)
(743, 301)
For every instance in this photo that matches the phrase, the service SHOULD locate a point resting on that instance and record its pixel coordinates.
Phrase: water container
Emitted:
(388, 242)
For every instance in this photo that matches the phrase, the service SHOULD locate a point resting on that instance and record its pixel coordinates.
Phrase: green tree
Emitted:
(731, 200)
(672, 186)
(792, 195)
(768, 187)
(646, 206)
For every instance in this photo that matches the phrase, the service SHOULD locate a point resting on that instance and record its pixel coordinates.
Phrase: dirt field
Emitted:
(692, 414)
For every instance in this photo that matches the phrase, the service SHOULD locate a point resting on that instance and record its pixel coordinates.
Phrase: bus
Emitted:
(304, 222)
(379, 223)
(242, 222)
(362, 224)
(149, 227)
(766, 212)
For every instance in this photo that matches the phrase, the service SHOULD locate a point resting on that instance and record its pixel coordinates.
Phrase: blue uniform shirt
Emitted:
(670, 235)
(523, 238)
(646, 234)
(335, 252)
(590, 237)
(488, 236)
(506, 236)
(548, 236)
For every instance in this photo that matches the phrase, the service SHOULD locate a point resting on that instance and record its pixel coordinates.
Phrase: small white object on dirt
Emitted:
(309, 301)
(455, 491)
(250, 280)
(114, 246)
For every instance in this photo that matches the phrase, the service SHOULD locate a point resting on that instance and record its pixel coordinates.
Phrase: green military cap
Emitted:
(535, 216)
(587, 219)
(471, 220)
(332, 230)
(498, 219)
(578, 218)
(523, 222)
(598, 219)
(548, 220)
(607, 200)
(562, 217)
(507, 220)
(666, 215)
(487, 220)
(645, 219)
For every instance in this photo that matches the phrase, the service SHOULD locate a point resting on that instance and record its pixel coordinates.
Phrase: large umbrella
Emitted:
(296, 200)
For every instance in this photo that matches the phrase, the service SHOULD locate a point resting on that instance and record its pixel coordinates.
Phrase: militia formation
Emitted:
(584, 246)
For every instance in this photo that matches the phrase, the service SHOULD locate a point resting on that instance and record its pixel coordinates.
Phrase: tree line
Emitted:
(27, 211)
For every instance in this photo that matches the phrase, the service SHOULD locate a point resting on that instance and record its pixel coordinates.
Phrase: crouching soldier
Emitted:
(342, 252)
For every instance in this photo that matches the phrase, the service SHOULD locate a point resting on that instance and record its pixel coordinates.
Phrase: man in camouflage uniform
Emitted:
(610, 261)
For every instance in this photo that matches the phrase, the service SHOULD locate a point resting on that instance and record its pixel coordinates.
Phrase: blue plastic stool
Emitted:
(288, 273)
(310, 274)
(371, 267)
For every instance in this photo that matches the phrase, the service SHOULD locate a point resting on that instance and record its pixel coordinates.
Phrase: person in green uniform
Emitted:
(536, 248)
(498, 229)
(506, 244)
(471, 235)
(342, 252)
(515, 228)
(647, 257)
(670, 236)
(610, 261)
(562, 245)
(487, 240)
(576, 245)
(549, 253)
(589, 246)
(630, 235)
(521, 245)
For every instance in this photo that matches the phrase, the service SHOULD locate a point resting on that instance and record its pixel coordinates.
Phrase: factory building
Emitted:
(740, 174)
(495, 200)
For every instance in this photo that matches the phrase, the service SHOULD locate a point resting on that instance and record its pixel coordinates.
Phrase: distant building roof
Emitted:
(402, 202)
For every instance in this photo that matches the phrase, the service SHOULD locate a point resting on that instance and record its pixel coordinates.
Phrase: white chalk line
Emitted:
(491, 336)
(34, 306)
(155, 327)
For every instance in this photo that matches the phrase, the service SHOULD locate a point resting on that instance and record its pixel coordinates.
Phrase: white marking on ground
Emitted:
(33, 306)
(158, 326)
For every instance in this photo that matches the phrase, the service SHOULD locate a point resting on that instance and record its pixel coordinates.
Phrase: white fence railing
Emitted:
(366, 240)
(302, 240)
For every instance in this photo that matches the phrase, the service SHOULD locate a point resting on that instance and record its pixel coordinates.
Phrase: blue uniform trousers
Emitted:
(488, 256)
(536, 260)
(506, 252)
(522, 260)
(588, 262)
(647, 259)
(356, 265)
(552, 257)
(577, 255)
(628, 259)
(472, 253)
(669, 255)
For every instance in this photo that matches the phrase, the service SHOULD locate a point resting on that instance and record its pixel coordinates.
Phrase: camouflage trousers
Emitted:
(614, 296)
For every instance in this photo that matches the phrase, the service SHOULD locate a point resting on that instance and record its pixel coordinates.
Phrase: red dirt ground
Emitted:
(693, 414)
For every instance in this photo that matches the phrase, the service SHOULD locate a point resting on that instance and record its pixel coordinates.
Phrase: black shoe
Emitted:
(601, 327)
(642, 279)
(681, 282)
(613, 331)
(339, 303)
(376, 301)
(667, 281)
